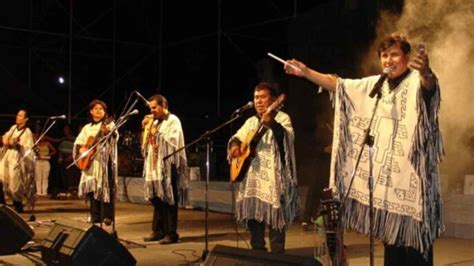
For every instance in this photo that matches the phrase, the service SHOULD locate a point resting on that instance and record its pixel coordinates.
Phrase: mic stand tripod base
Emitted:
(204, 255)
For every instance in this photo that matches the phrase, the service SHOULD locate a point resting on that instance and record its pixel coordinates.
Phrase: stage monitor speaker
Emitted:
(79, 243)
(14, 231)
(229, 256)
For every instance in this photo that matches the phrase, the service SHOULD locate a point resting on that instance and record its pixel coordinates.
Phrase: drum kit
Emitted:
(130, 160)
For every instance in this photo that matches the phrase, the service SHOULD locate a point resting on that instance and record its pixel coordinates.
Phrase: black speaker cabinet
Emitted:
(78, 243)
(14, 231)
(230, 256)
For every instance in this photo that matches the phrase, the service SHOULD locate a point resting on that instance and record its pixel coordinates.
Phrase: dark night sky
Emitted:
(189, 51)
(35, 51)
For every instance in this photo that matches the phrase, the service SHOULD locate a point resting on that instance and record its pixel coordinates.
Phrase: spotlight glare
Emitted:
(61, 80)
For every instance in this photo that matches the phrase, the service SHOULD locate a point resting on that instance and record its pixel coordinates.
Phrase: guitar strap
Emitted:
(21, 133)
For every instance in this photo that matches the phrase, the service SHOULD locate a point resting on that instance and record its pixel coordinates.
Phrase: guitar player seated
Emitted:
(263, 161)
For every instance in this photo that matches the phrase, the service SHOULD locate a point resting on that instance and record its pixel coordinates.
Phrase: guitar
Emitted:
(240, 165)
(150, 131)
(331, 248)
(145, 138)
(5, 147)
(85, 162)
(3, 150)
(321, 251)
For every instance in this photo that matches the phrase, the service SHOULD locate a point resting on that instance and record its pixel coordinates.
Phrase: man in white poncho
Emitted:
(98, 182)
(17, 180)
(162, 136)
(407, 150)
(267, 196)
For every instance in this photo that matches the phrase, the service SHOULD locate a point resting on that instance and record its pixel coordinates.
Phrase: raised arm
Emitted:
(421, 63)
(297, 68)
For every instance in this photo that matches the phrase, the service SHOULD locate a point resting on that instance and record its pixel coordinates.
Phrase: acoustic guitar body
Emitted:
(86, 162)
(240, 165)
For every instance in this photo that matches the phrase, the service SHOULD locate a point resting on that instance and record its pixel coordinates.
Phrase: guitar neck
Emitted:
(100, 134)
(261, 130)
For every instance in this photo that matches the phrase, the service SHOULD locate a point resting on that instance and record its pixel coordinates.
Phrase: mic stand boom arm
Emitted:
(34, 145)
(120, 122)
(33, 183)
(206, 136)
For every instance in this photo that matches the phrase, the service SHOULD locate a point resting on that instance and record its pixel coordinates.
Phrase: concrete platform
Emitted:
(133, 223)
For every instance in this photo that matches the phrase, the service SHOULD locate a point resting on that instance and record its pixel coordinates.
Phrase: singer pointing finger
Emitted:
(408, 148)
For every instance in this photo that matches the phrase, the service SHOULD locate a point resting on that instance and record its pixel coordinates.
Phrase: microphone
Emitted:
(143, 98)
(58, 117)
(133, 112)
(378, 85)
(243, 108)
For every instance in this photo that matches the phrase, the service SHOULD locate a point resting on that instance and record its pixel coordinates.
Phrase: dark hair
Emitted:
(26, 111)
(267, 86)
(97, 102)
(394, 39)
(160, 100)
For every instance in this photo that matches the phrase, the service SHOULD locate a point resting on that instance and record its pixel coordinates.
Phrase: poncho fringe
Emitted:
(425, 154)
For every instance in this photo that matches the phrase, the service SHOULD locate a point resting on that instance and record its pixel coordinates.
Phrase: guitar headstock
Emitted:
(277, 104)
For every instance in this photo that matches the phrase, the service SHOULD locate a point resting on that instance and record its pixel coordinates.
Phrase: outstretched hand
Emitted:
(421, 63)
(295, 67)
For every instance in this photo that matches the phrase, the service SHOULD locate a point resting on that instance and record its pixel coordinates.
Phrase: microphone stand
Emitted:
(125, 196)
(120, 122)
(369, 141)
(207, 137)
(32, 184)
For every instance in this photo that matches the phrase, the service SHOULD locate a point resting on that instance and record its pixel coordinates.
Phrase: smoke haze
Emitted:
(447, 30)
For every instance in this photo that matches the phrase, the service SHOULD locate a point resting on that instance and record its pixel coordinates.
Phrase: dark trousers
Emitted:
(100, 209)
(2, 195)
(97, 207)
(257, 237)
(17, 204)
(165, 216)
(406, 256)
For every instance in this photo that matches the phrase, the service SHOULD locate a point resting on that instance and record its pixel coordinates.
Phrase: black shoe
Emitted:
(18, 205)
(93, 220)
(260, 248)
(168, 240)
(153, 237)
(107, 221)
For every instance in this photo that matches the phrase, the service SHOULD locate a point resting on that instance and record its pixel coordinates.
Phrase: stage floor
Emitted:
(133, 223)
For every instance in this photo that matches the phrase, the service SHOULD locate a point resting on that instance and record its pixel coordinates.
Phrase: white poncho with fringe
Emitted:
(407, 149)
(95, 178)
(18, 182)
(268, 192)
(157, 171)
